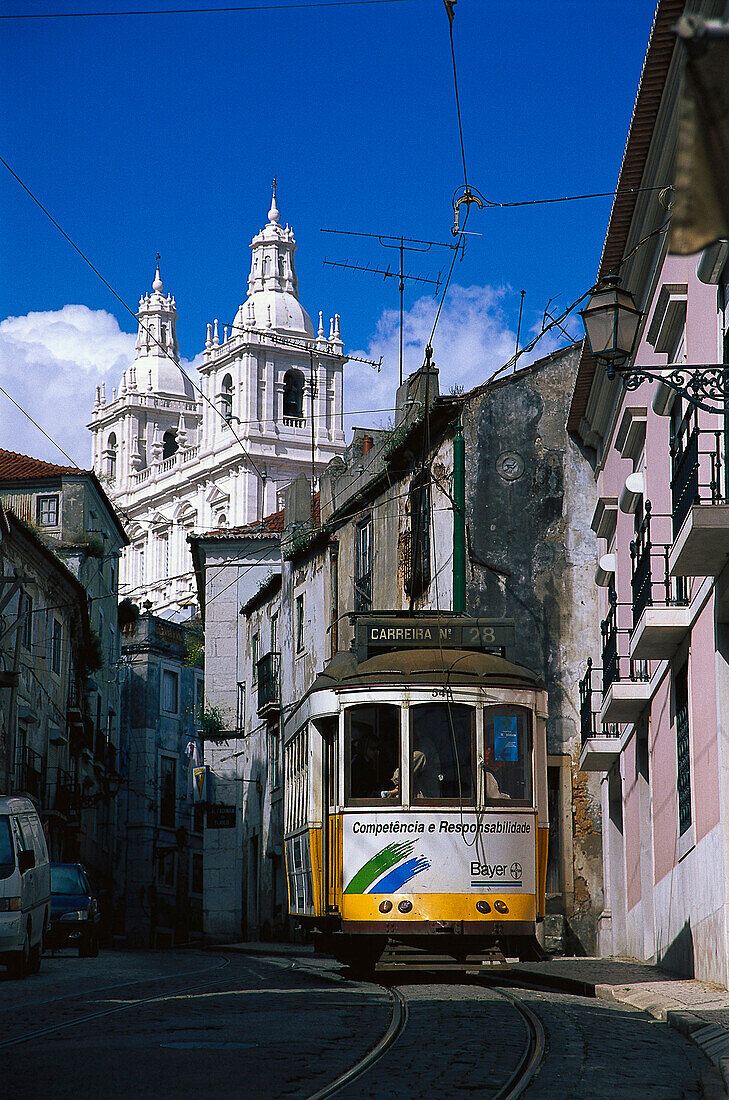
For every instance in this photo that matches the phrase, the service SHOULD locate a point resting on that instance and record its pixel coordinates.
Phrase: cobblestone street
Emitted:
(256, 1026)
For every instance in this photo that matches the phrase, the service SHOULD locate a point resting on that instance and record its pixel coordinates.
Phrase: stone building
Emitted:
(158, 882)
(179, 459)
(380, 538)
(68, 510)
(45, 637)
(655, 699)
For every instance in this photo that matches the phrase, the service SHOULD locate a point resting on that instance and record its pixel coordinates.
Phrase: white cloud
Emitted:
(472, 340)
(51, 363)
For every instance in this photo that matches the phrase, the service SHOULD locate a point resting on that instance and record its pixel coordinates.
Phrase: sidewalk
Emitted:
(698, 1010)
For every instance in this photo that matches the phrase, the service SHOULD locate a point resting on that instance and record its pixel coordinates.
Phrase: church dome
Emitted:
(276, 309)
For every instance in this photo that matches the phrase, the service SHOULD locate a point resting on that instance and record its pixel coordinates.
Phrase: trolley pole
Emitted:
(459, 520)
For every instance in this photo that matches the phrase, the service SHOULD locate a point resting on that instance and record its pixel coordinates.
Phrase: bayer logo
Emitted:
(516, 870)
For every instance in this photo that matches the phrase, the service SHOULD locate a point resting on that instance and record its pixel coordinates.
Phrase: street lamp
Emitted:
(611, 321)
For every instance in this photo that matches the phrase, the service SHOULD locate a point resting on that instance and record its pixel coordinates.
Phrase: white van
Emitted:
(25, 887)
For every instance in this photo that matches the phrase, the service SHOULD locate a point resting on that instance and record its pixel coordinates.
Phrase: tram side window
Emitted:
(372, 753)
(442, 740)
(507, 754)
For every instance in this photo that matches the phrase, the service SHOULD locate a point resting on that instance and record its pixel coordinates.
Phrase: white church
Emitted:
(178, 457)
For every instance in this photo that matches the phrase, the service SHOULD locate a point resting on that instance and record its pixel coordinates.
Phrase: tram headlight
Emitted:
(385, 906)
(405, 906)
(501, 907)
(483, 907)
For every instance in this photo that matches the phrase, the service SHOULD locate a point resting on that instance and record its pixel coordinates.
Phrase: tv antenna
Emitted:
(403, 245)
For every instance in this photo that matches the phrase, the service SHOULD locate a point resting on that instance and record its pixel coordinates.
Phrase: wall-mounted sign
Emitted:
(221, 817)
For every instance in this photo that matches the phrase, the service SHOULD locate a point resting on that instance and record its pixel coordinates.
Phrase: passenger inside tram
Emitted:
(374, 750)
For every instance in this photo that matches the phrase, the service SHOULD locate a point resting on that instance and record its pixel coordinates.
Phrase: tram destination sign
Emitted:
(376, 634)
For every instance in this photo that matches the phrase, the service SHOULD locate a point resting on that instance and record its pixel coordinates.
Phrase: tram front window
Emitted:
(507, 754)
(372, 753)
(442, 742)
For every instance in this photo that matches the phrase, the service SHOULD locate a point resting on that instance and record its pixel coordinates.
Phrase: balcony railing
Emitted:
(651, 581)
(697, 468)
(29, 773)
(617, 665)
(63, 795)
(269, 682)
(587, 714)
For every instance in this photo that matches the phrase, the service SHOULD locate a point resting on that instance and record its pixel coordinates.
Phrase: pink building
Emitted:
(655, 703)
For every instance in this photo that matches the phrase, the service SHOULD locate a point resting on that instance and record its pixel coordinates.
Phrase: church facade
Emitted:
(179, 457)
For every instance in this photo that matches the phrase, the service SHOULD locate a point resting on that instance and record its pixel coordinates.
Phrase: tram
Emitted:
(415, 793)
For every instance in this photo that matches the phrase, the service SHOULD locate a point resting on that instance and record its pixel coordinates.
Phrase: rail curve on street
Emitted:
(518, 1081)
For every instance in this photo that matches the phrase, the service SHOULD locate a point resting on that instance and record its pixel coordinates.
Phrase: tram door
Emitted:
(332, 825)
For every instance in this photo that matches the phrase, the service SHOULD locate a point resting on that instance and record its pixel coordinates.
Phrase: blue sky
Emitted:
(162, 133)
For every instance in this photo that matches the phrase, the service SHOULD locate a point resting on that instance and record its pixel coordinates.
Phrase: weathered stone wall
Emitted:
(530, 495)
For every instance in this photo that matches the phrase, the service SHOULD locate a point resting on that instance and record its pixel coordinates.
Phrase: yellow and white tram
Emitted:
(416, 793)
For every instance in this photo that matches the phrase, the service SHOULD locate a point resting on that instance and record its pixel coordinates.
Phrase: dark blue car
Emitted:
(75, 916)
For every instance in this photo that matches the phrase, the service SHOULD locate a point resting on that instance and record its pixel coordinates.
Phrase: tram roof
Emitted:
(425, 666)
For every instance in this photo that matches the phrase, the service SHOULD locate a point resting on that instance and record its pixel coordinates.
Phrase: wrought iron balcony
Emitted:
(269, 683)
(700, 509)
(29, 774)
(600, 744)
(625, 681)
(661, 615)
(63, 795)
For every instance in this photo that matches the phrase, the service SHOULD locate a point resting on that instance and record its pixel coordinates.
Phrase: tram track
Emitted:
(530, 1060)
(128, 1006)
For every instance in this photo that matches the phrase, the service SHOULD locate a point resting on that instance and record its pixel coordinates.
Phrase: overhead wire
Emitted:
(40, 429)
(276, 7)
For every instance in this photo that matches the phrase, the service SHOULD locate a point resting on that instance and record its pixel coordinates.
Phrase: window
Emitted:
(240, 719)
(254, 656)
(293, 395)
(46, 511)
(372, 754)
(169, 691)
(111, 448)
(112, 648)
(164, 556)
(507, 754)
(169, 444)
(141, 574)
(442, 765)
(166, 866)
(418, 567)
(196, 878)
(167, 791)
(274, 757)
(56, 649)
(274, 632)
(300, 623)
(226, 397)
(363, 566)
(683, 750)
(27, 610)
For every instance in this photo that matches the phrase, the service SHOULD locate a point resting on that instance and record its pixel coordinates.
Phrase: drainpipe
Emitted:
(459, 521)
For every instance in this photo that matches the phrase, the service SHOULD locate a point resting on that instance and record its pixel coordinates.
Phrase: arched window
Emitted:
(266, 265)
(222, 520)
(111, 456)
(293, 395)
(169, 444)
(226, 397)
(282, 266)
